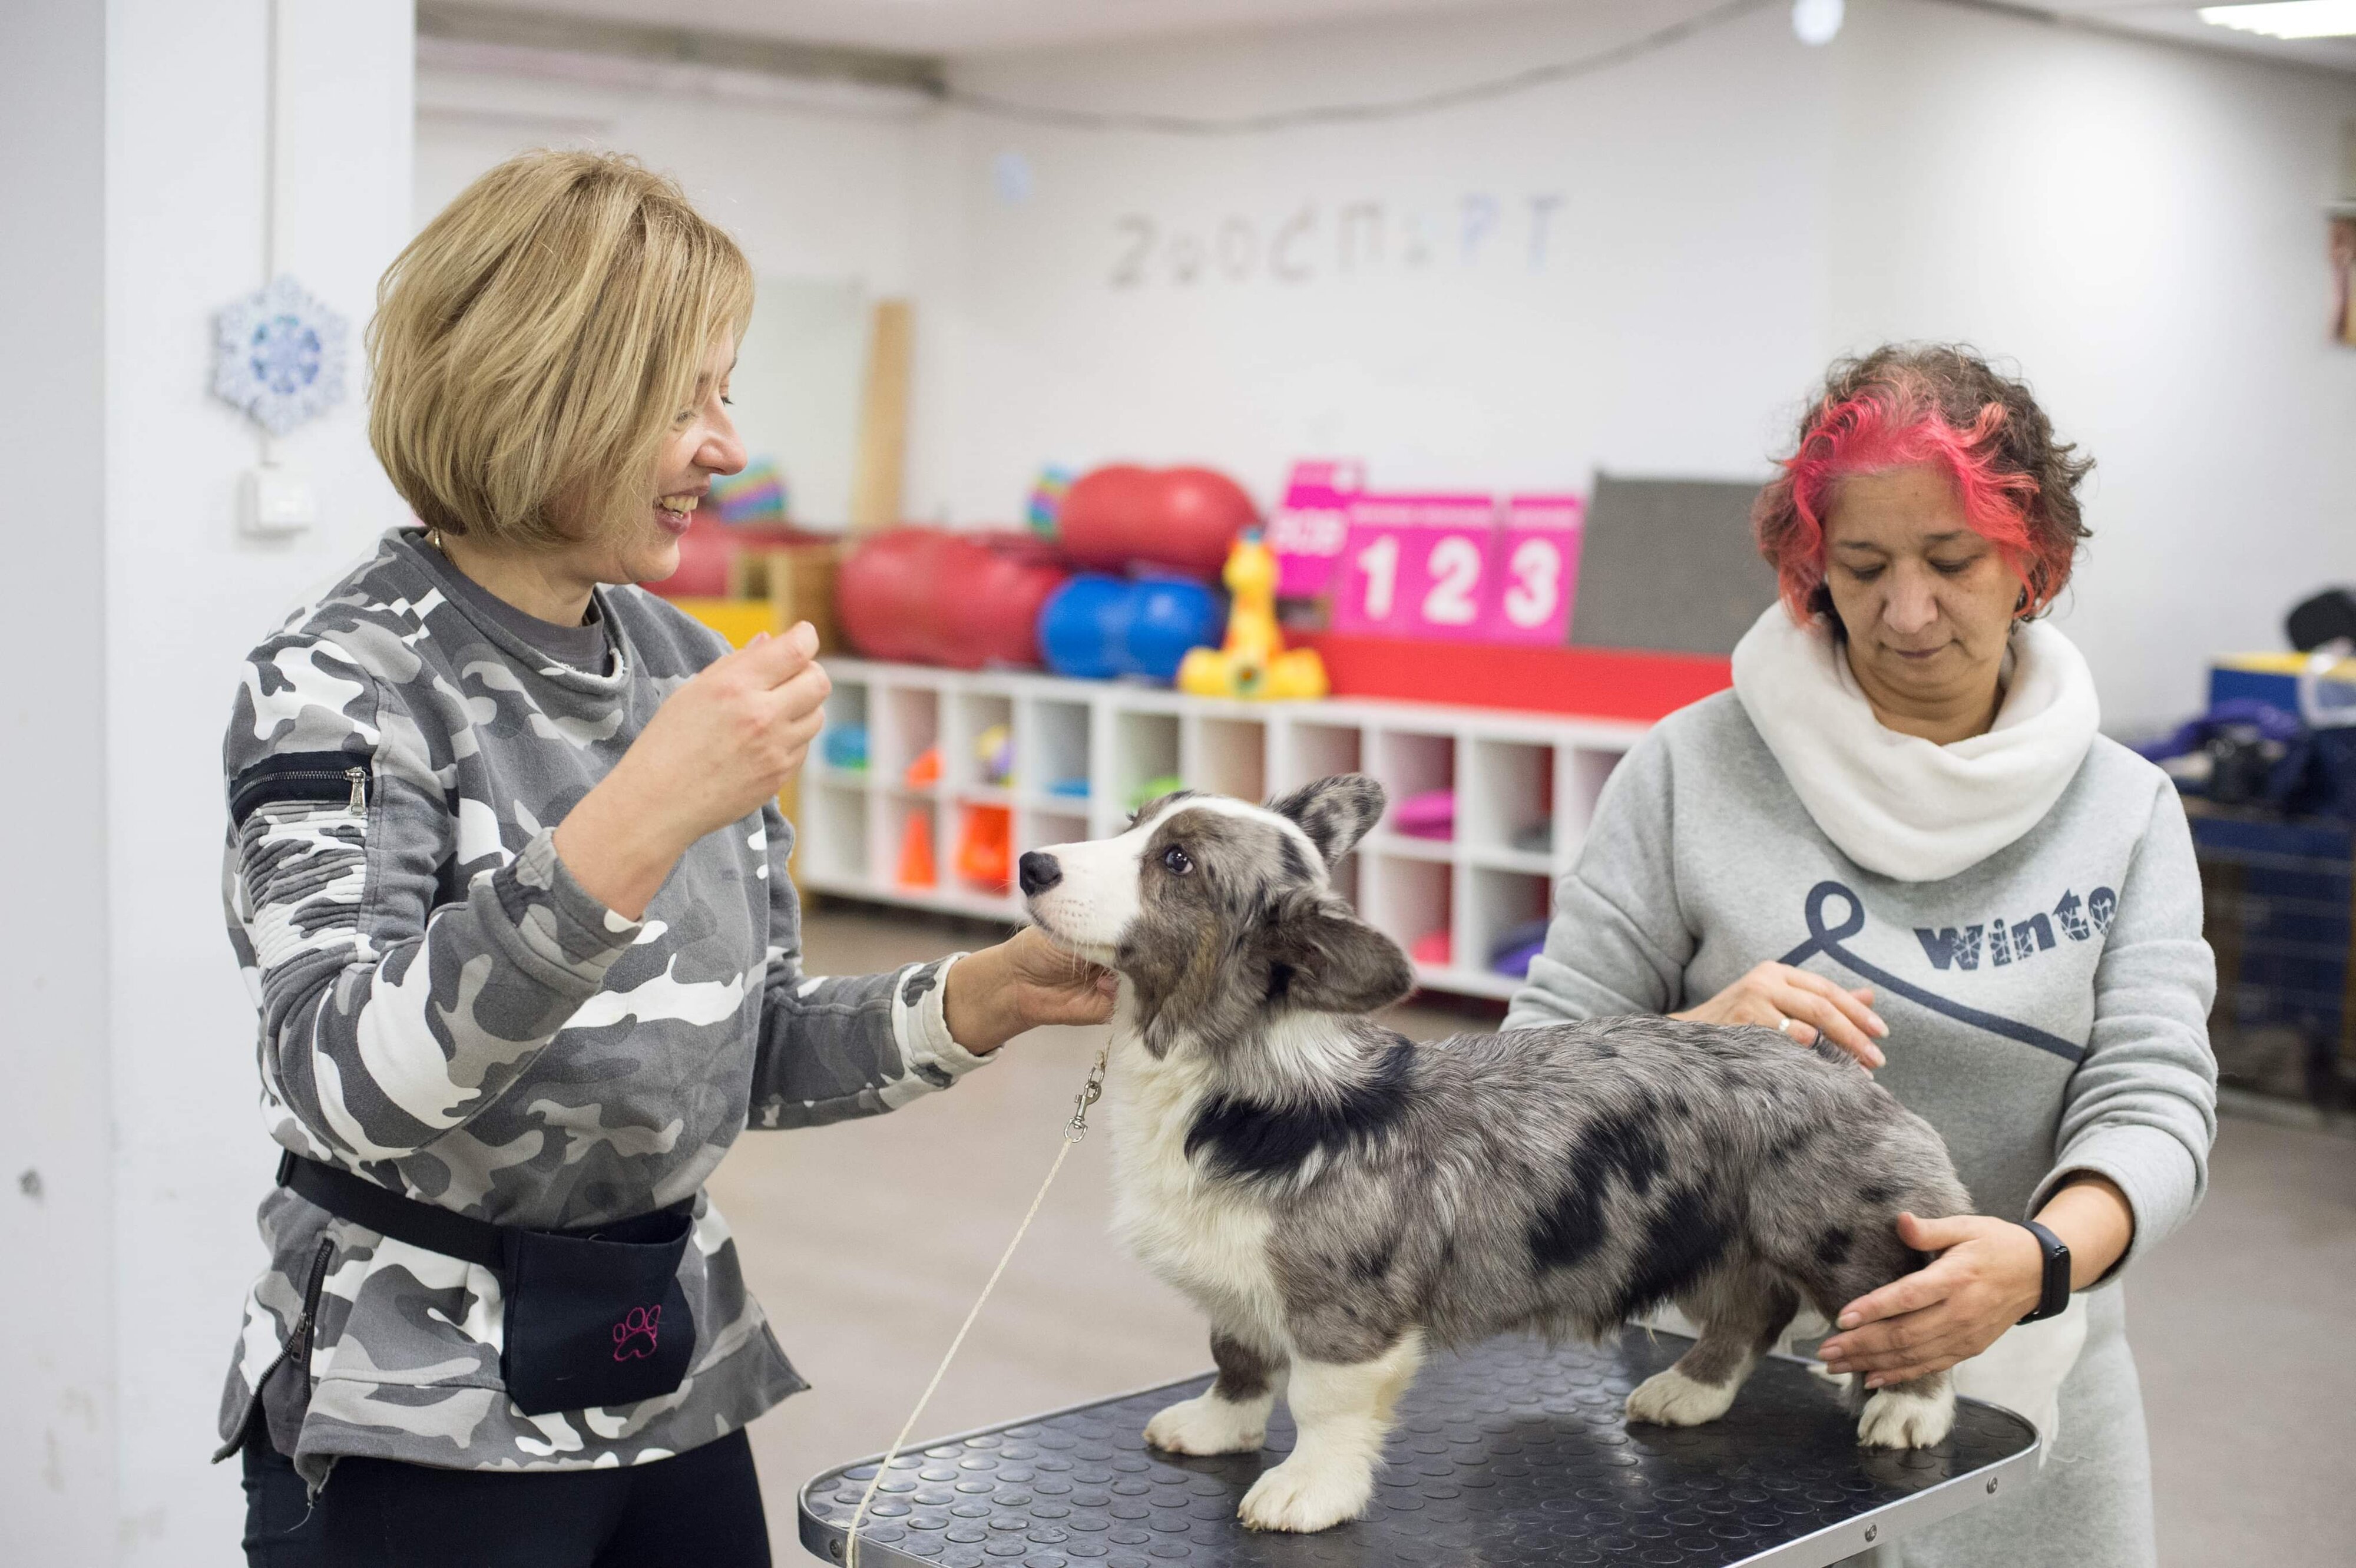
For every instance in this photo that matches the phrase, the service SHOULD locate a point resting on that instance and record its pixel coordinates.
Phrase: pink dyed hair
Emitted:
(1940, 406)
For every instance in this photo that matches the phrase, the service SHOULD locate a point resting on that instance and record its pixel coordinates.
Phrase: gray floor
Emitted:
(868, 1240)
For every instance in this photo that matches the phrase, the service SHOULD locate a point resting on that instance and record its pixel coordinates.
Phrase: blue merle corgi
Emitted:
(1336, 1200)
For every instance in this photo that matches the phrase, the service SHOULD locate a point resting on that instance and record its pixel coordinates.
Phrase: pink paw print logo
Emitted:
(634, 1336)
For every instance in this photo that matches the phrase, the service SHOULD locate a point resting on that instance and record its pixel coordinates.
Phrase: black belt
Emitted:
(437, 1230)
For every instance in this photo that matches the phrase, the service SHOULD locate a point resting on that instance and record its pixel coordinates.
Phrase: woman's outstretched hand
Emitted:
(1027, 980)
(1801, 1004)
(1989, 1275)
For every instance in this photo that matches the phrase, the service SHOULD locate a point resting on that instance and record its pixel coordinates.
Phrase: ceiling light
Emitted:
(2288, 18)
(1815, 22)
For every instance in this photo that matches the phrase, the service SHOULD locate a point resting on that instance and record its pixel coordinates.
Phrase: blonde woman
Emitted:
(508, 879)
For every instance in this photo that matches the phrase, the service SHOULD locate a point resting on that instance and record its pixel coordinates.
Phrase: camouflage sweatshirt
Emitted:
(446, 1012)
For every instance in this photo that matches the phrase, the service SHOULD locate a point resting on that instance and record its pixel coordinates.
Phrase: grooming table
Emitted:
(1513, 1454)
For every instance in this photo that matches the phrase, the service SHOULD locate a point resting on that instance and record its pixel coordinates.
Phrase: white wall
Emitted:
(2141, 227)
(2136, 224)
(808, 191)
(1627, 269)
(130, 1046)
(815, 190)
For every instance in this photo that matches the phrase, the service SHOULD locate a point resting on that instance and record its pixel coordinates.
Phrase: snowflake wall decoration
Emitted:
(279, 355)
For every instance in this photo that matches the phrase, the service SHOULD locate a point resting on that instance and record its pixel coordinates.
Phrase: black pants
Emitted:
(700, 1509)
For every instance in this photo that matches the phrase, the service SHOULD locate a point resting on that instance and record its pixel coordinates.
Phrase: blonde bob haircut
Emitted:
(535, 344)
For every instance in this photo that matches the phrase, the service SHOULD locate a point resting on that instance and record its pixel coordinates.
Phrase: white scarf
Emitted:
(1896, 804)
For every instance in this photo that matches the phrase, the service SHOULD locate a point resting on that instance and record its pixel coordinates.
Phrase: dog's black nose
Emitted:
(1037, 871)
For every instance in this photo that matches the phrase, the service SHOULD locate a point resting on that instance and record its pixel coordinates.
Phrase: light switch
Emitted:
(276, 502)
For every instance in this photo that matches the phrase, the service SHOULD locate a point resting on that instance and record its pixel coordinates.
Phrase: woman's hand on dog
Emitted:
(1027, 980)
(1801, 1004)
(1989, 1275)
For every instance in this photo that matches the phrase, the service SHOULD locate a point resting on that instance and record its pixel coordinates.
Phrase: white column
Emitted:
(194, 220)
(137, 134)
(57, 1448)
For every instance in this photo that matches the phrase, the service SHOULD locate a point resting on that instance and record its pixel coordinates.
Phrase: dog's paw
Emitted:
(1893, 1418)
(1208, 1426)
(1306, 1493)
(1672, 1399)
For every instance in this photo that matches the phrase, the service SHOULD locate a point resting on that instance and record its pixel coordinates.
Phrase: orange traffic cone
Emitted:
(916, 868)
(984, 847)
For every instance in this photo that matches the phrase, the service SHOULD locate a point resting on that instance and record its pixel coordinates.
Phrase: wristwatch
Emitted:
(2056, 1298)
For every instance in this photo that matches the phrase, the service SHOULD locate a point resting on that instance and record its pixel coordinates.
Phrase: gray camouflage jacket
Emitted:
(447, 1012)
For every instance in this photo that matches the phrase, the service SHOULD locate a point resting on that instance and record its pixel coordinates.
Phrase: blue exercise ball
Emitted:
(1098, 628)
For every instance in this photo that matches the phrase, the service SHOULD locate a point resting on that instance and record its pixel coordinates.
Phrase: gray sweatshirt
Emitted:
(446, 1012)
(2047, 1007)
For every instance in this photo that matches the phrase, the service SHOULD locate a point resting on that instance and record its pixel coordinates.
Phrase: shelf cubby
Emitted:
(1144, 748)
(1406, 900)
(847, 707)
(1506, 800)
(1496, 903)
(1307, 750)
(1051, 741)
(970, 713)
(1227, 757)
(908, 721)
(900, 807)
(832, 839)
(1578, 786)
(1409, 763)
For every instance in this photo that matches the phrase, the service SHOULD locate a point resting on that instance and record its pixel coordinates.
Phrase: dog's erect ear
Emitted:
(1324, 958)
(1334, 813)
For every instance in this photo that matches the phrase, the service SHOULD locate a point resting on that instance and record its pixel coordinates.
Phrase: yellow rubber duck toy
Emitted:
(1254, 663)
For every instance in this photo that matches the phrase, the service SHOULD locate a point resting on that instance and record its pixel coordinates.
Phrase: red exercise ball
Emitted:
(1181, 518)
(926, 595)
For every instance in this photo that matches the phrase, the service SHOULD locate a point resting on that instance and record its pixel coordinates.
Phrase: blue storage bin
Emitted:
(2278, 895)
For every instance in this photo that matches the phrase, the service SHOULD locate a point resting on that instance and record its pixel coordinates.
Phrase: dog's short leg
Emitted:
(1231, 1415)
(1918, 1414)
(1343, 1412)
(1741, 1315)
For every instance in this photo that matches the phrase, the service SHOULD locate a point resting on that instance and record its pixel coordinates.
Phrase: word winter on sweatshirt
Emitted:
(1948, 947)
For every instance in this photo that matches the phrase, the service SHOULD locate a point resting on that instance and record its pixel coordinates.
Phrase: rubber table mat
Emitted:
(1512, 1453)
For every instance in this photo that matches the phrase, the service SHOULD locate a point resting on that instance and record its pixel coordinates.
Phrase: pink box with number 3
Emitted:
(1535, 571)
(1417, 565)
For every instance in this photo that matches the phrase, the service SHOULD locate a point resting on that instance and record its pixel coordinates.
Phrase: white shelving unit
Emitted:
(1511, 771)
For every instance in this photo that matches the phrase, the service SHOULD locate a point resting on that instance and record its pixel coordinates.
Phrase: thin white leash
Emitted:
(1074, 1131)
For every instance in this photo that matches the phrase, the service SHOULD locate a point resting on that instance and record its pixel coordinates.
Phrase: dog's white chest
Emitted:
(1207, 1239)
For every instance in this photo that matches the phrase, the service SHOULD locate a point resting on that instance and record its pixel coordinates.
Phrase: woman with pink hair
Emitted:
(1902, 832)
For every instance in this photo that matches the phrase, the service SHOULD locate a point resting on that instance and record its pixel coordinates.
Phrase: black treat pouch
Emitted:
(596, 1320)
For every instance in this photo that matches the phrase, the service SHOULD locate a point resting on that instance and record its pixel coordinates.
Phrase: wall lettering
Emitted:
(1360, 238)
(1129, 269)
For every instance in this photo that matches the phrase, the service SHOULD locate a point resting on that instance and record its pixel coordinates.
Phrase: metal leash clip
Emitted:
(1090, 1092)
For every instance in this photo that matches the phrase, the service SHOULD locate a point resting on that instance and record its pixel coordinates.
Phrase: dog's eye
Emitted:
(1175, 859)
